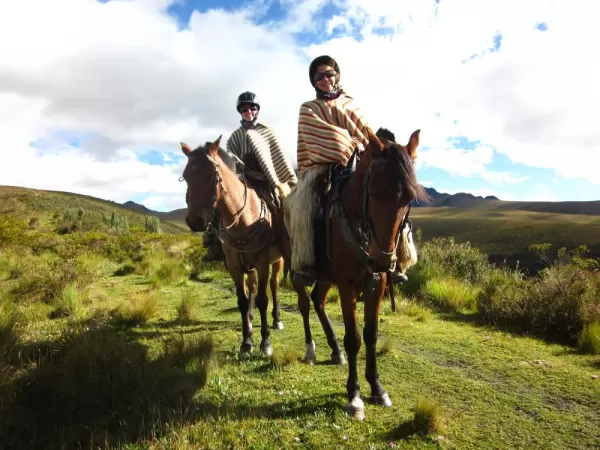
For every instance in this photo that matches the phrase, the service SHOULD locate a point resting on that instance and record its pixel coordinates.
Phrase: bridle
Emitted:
(221, 232)
(382, 261)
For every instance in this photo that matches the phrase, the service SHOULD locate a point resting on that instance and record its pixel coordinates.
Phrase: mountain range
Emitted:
(440, 199)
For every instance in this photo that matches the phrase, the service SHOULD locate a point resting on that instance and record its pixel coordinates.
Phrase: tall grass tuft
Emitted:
(186, 308)
(427, 418)
(589, 339)
(450, 294)
(138, 309)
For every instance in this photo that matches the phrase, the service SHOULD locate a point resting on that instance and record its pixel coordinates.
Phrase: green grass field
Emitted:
(496, 390)
(113, 339)
(508, 233)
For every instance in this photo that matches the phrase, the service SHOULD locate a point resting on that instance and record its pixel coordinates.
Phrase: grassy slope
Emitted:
(498, 390)
(29, 203)
(509, 232)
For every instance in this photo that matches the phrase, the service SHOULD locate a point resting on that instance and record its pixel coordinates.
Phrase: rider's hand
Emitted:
(283, 189)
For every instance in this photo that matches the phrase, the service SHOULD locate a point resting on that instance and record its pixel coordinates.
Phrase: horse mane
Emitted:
(407, 170)
(385, 134)
(223, 154)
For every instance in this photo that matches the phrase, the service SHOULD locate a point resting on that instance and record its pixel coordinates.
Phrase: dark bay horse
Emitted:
(252, 242)
(368, 210)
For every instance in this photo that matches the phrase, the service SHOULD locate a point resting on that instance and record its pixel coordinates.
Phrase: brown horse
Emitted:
(251, 240)
(369, 207)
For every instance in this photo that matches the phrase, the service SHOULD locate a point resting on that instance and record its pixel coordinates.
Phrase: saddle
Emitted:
(329, 186)
(256, 179)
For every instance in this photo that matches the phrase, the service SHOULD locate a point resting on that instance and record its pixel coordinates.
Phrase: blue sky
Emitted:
(498, 115)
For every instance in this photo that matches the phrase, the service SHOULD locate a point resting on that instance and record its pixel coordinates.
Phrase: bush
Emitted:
(557, 303)
(48, 280)
(460, 261)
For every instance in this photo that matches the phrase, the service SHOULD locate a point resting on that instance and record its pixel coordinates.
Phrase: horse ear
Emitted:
(413, 143)
(213, 150)
(185, 149)
(374, 142)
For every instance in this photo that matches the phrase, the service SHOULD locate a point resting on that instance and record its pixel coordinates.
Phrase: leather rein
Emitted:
(239, 245)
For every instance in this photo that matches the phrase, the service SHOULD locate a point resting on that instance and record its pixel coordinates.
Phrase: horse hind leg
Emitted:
(274, 284)
(310, 356)
(319, 299)
(262, 302)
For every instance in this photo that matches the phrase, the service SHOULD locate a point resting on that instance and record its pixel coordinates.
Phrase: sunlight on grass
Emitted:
(450, 294)
(589, 340)
(186, 308)
(138, 309)
(69, 302)
(427, 418)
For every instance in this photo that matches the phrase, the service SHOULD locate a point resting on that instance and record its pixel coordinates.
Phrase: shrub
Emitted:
(48, 280)
(460, 261)
(152, 224)
(557, 303)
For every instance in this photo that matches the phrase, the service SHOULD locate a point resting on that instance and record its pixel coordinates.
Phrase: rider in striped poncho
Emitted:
(257, 145)
(330, 128)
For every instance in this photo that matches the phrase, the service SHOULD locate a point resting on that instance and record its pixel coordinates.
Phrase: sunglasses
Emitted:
(248, 108)
(320, 75)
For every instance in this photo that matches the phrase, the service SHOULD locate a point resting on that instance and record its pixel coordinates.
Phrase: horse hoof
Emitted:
(246, 349)
(356, 409)
(278, 325)
(339, 359)
(266, 349)
(381, 400)
(310, 357)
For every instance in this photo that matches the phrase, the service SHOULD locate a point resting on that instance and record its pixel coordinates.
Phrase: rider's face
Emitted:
(325, 78)
(249, 112)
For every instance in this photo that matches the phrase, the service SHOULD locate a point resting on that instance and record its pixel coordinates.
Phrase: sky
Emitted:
(95, 96)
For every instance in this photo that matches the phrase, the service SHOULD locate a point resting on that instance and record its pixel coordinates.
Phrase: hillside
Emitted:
(502, 229)
(466, 200)
(505, 233)
(41, 205)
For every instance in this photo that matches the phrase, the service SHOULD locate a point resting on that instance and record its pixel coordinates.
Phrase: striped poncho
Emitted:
(262, 142)
(328, 131)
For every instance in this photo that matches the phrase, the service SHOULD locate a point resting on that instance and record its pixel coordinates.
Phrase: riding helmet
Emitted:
(247, 98)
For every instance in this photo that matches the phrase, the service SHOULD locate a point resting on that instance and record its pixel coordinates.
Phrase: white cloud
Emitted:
(125, 74)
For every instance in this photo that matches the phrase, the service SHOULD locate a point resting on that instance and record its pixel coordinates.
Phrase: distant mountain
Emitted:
(139, 208)
(458, 200)
(461, 200)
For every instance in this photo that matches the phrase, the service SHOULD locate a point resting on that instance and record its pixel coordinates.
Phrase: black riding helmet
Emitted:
(247, 98)
(323, 60)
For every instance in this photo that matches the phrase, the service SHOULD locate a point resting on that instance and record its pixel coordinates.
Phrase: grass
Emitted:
(182, 384)
(130, 341)
(589, 340)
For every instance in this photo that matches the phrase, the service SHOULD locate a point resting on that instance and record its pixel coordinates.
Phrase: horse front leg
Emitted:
(356, 407)
(378, 394)
(244, 308)
(319, 298)
(262, 302)
(251, 293)
(274, 284)
(310, 356)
